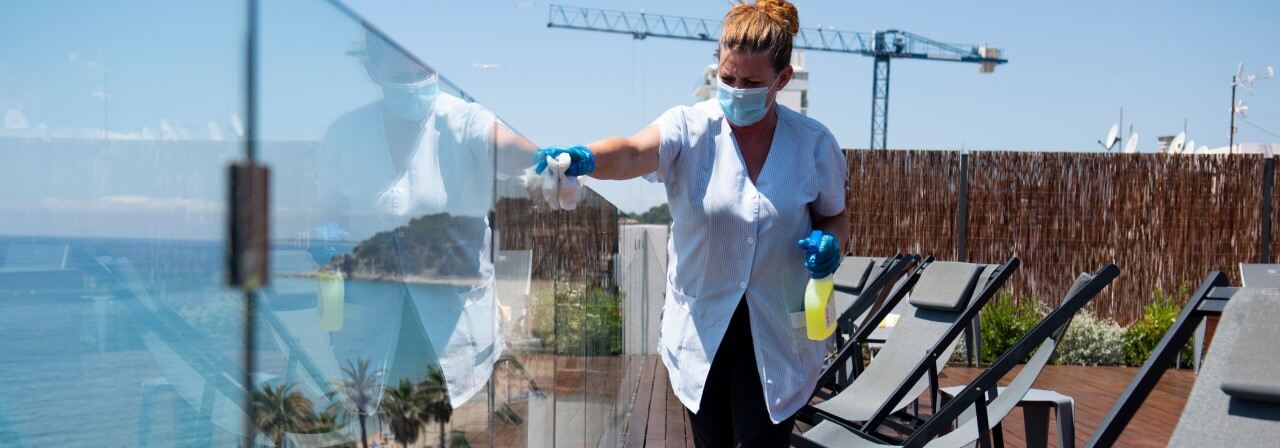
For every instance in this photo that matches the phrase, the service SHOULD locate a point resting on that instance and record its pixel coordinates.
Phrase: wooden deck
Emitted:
(659, 420)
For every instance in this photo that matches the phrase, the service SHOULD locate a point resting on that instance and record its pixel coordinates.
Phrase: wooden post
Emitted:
(1268, 179)
(962, 212)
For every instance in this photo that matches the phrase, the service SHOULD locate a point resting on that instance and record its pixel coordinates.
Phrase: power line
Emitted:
(1264, 131)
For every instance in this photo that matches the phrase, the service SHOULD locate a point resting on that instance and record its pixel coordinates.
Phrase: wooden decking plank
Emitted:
(661, 420)
(637, 424)
(656, 434)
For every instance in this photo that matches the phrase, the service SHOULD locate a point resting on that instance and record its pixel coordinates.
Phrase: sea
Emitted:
(139, 342)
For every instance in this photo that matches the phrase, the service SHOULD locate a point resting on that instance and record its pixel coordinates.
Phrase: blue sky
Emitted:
(1073, 65)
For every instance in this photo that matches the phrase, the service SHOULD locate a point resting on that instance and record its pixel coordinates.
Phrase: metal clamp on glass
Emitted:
(247, 202)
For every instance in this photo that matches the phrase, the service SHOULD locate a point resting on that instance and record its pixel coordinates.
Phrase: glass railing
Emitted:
(116, 328)
(417, 292)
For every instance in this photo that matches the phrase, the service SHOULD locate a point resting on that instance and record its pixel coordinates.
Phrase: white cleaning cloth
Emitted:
(560, 191)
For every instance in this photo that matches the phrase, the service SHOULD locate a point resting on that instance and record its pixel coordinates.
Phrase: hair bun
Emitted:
(781, 12)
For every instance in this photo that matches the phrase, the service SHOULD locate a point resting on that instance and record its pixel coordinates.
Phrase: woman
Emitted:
(745, 179)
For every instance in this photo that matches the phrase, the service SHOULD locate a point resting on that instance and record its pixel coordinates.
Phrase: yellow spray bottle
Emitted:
(819, 316)
(332, 296)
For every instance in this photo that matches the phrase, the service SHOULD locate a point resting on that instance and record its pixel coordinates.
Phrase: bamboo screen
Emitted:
(571, 246)
(903, 201)
(1165, 220)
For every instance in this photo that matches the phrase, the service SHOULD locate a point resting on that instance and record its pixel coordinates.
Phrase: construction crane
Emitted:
(883, 46)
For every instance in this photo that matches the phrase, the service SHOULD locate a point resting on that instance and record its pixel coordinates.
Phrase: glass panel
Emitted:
(385, 292)
(115, 326)
(411, 270)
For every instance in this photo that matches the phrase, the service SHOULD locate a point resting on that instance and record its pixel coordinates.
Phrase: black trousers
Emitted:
(733, 412)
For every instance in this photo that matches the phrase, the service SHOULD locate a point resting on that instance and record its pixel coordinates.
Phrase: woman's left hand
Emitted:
(583, 161)
(822, 253)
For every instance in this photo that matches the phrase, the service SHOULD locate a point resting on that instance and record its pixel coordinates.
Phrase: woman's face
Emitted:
(745, 70)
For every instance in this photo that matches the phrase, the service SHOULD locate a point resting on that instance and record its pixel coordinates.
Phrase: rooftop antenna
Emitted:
(1242, 109)
(1131, 146)
(1191, 144)
(1237, 106)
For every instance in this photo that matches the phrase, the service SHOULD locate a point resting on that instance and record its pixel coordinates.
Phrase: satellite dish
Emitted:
(1131, 146)
(1112, 136)
(1190, 148)
(1203, 149)
(1179, 142)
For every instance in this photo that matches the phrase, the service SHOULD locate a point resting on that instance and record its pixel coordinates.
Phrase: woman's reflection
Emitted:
(409, 179)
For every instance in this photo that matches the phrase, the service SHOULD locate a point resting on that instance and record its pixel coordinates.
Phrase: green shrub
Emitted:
(580, 322)
(1091, 341)
(1005, 321)
(1140, 339)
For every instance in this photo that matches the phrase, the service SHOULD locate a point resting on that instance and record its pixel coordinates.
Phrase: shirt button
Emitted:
(742, 285)
(751, 240)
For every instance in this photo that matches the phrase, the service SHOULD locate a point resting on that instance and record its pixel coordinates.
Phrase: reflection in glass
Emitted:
(384, 275)
(409, 265)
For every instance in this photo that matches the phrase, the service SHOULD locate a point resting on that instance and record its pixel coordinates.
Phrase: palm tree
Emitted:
(435, 396)
(359, 390)
(326, 421)
(278, 410)
(403, 410)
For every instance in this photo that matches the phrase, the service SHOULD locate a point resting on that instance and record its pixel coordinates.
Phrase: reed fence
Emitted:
(1166, 220)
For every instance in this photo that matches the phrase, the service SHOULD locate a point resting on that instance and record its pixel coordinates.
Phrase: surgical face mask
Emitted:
(743, 107)
(411, 101)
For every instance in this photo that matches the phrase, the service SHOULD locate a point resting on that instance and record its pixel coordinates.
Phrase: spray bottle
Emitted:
(819, 311)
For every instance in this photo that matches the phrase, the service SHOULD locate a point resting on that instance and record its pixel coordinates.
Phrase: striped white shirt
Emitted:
(732, 238)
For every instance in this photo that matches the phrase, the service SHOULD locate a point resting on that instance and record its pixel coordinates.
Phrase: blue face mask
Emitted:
(743, 107)
(411, 101)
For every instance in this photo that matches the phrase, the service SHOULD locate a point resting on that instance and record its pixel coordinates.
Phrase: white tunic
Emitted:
(448, 171)
(731, 238)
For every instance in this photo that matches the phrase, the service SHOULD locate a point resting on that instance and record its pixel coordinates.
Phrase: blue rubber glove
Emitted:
(323, 246)
(582, 162)
(822, 253)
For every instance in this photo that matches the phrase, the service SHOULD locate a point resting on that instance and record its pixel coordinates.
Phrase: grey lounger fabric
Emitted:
(833, 435)
(853, 272)
(1213, 418)
(917, 331)
(945, 286)
(1251, 372)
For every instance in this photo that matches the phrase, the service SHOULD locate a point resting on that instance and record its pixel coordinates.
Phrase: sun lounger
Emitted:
(1236, 397)
(977, 410)
(942, 303)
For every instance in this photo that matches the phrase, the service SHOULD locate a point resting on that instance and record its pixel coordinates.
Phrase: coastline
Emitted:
(470, 282)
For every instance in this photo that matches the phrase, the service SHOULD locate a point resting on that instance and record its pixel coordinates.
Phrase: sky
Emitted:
(1073, 66)
(175, 70)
